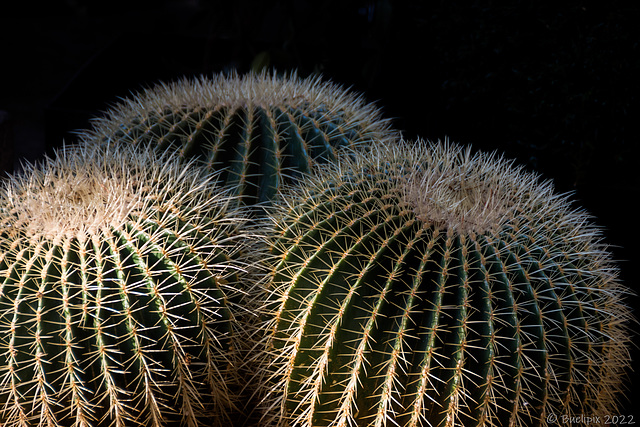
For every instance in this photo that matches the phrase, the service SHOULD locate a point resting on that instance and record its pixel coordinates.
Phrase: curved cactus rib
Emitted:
(397, 368)
(178, 274)
(78, 395)
(423, 353)
(104, 354)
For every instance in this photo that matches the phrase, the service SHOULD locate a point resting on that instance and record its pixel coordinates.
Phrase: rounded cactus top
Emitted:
(260, 130)
(420, 284)
(448, 187)
(87, 190)
(265, 89)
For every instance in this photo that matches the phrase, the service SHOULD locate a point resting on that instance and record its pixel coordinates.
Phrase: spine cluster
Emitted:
(391, 308)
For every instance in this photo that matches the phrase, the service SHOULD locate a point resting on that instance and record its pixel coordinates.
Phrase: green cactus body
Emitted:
(260, 130)
(423, 286)
(117, 276)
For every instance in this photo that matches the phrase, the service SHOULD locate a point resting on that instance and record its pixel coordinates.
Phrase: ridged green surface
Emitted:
(260, 130)
(422, 286)
(117, 277)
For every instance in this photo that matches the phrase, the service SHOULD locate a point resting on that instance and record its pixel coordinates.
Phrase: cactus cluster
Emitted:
(421, 285)
(259, 130)
(119, 276)
(409, 284)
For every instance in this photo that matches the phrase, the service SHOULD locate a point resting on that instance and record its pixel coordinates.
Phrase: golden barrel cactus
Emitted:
(120, 275)
(423, 285)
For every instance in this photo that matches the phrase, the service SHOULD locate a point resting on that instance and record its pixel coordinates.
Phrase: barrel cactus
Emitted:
(119, 271)
(423, 285)
(259, 129)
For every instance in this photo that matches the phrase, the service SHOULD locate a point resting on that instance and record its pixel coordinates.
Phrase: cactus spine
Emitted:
(261, 130)
(118, 271)
(421, 285)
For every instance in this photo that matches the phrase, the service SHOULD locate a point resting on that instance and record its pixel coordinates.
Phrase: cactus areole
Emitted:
(260, 130)
(421, 285)
(116, 269)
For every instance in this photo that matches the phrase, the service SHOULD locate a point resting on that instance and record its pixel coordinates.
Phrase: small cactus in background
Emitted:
(421, 285)
(119, 271)
(260, 130)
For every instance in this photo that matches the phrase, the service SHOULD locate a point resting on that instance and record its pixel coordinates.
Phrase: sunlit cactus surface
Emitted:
(259, 129)
(423, 285)
(118, 277)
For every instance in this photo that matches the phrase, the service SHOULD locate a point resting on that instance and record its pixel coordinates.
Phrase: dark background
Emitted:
(553, 85)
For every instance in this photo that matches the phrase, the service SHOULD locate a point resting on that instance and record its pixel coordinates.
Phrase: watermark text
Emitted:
(582, 420)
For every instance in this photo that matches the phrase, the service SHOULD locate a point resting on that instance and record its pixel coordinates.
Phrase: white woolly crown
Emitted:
(469, 193)
(87, 189)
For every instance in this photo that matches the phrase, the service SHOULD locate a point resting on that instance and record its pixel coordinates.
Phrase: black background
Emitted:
(553, 85)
